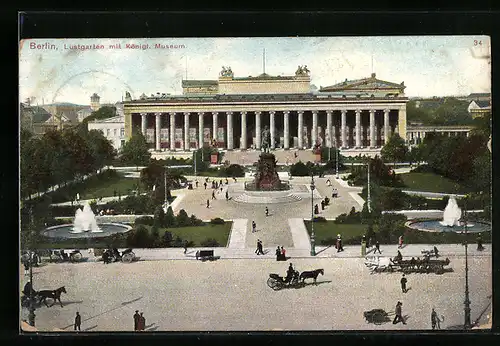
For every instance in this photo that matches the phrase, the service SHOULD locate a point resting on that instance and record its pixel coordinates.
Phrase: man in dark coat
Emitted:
(278, 254)
(259, 247)
(403, 284)
(78, 321)
(136, 320)
(289, 273)
(377, 247)
(227, 196)
(399, 314)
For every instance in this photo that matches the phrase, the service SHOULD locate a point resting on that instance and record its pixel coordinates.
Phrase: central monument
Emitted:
(266, 177)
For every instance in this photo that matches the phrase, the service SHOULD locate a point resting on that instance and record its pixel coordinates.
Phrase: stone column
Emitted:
(386, 126)
(257, 130)
(214, 126)
(314, 130)
(157, 131)
(373, 143)
(186, 131)
(143, 124)
(286, 132)
(329, 134)
(343, 128)
(229, 124)
(301, 129)
(200, 129)
(243, 143)
(172, 131)
(358, 128)
(272, 130)
(402, 122)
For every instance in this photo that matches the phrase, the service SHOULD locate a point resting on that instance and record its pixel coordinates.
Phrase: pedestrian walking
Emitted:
(399, 314)
(377, 248)
(205, 184)
(208, 203)
(142, 322)
(435, 321)
(213, 194)
(283, 253)
(278, 254)
(254, 226)
(339, 243)
(136, 320)
(78, 321)
(267, 211)
(185, 246)
(328, 182)
(26, 267)
(196, 183)
(260, 248)
(221, 188)
(227, 196)
(479, 240)
(400, 242)
(403, 284)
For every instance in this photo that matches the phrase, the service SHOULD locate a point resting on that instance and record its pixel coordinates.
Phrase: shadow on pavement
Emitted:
(90, 328)
(377, 316)
(72, 302)
(329, 246)
(132, 301)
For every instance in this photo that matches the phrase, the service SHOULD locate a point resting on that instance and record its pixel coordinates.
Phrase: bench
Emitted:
(205, 255)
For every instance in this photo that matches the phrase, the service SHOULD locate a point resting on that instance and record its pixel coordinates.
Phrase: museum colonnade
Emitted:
(346, 128)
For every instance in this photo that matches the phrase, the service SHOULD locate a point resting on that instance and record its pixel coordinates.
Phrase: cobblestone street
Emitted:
(233, 295)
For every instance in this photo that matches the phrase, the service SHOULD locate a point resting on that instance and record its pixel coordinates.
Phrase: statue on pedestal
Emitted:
(266, 140)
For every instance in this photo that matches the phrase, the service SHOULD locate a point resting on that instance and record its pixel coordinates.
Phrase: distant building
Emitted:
(33, 118)
(479, 97)
(95, 102)
(479, 108)
(112, 128)
(415, 132)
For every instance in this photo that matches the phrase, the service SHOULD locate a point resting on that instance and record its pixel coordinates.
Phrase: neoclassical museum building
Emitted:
(231, 113)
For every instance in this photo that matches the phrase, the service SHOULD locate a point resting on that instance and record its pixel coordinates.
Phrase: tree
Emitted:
(394, 150)
(183, 218)
(159, 217)
(452, 112)
(170, 218)
(104, 112)
(100, 147)
(299, 169)
(135, 151)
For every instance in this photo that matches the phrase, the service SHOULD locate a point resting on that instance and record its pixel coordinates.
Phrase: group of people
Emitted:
(139, 321)
(28, 263)
(280, 254)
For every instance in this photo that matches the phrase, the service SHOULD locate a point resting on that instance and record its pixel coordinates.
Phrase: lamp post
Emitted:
(336, 159)
(467, 323)
(32, 315)
(165, 181)
(313, 249)
(368, 200)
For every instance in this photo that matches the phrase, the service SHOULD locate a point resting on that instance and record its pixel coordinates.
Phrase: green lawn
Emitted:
(106, 188)
(329, 229)
(197, 234)
(431, 182)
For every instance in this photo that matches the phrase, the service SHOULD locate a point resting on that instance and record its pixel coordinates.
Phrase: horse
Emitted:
(53, 294)
(311, 275)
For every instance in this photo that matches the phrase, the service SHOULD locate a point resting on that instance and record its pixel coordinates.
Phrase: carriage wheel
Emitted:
(76, 257)
(273, 283)
(54, 257)
(128, 258)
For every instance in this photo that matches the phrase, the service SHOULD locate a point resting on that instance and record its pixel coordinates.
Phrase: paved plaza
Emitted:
(178, 293)
(233, 295)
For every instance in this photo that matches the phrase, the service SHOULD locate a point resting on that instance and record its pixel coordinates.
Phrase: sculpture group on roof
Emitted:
(302, 70)
(226, 72)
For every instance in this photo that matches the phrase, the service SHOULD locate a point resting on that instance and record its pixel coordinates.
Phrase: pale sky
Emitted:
(428, 65)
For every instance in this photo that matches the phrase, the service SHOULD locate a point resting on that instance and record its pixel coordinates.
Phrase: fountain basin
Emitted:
(435, 225)
(67, 231)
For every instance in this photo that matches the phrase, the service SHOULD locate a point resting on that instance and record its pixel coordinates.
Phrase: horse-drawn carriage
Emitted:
(425, 265)
(62, 256)
(113, 255)
(297, 280)
(37, 297)
(430, 253)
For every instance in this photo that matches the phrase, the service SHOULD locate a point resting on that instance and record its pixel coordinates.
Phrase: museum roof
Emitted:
(251, 97)
(482, 104)
(265, 76)
(370, 83)
(198, 82)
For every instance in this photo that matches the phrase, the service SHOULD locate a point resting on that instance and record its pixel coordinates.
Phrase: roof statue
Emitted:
(127, 95)
(302, 70)
(226, 72)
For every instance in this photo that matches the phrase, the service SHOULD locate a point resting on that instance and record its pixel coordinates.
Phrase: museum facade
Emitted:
(231, 113)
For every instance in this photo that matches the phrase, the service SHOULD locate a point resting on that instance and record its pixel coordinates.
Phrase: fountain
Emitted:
(85, 226)
(85, 221)
(451, 221)
(451, 214)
